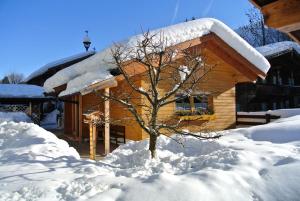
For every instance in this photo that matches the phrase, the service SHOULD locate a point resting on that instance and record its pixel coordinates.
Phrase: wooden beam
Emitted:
(294, 36)
(72, 116)
(255, 4)
(80, 118)
(76, 121)
(100, 85)
(106, 125)
(93, 131)
(283, 15)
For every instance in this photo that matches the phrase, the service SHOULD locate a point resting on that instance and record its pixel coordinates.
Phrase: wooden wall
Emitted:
(71, 116)
(119, 114)
(220, 82)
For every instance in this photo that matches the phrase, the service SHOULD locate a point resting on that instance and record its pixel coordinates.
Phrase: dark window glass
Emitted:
(201, 103)
(183, 103)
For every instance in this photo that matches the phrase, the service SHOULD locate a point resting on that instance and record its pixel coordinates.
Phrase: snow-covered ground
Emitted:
(257, 163)
(14, 116)
(50, 120)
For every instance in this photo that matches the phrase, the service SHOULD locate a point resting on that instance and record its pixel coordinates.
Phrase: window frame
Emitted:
(193, 109)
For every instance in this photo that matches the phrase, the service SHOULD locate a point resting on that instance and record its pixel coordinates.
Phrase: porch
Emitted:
(83, 146)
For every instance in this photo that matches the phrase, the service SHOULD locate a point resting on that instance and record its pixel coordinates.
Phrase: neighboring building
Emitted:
(281, 87)
(39, 76)
(23, 98)
(234, 61)
(283, 15)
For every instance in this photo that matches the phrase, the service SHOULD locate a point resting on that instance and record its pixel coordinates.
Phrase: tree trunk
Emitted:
(152, 145)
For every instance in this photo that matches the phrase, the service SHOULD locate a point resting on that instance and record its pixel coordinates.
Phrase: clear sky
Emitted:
(36, 32)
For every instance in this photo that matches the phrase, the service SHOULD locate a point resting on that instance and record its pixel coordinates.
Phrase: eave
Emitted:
(283, 15)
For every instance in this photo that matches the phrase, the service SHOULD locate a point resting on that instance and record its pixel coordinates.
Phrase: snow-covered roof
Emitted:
(276, 49)
(21, 91)
(56, 63)
(95, 68)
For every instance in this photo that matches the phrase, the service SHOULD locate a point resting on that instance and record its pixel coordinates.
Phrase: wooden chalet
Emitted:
(283, 15)
(230, 68)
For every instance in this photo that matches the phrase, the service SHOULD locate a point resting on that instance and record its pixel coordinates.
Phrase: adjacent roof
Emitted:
(21, 91)
(262, 2)
(57, 64)
(95, 68)
(277, 49)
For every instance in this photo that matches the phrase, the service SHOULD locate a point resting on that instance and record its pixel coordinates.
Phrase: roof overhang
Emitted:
(109, 83)
(229, 55)
(283, 15)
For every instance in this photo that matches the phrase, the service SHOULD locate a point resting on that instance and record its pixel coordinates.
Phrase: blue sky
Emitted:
(34, 33)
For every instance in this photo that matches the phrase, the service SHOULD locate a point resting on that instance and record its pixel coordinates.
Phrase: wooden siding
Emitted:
(119, 114)
(220, 82)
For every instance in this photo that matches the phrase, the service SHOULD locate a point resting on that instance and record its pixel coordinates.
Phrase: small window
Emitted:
(194, 105)
(183, 103)
(201, 103)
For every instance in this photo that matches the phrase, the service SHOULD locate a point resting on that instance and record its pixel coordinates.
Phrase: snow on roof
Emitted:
(21, 91)
(278, 48)
(82, 74)
(95, 68)
(56, 63)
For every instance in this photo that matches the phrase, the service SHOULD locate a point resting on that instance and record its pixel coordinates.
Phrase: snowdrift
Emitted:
(14, 116)
(257, 163)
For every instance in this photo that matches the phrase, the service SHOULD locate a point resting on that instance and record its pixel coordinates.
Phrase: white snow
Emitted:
(82, 74)
(183, 72)
(94, 69)
(50, 120)
(86, 39)
(14, 116)
(277, 48)
(21, 91)
(259, 163)
(53, 64)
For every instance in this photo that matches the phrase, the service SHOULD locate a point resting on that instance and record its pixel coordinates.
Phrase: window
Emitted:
(274, 105)
(264, 106)
(183, 103)
(201, 103)
(194, 105)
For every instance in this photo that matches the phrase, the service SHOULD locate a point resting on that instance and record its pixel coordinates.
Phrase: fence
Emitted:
(14, 108)
(32, 112)
(255, 119)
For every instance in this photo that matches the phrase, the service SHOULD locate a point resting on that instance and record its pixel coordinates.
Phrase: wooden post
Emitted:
(92, 141)
(72, 117)
(106, 125)
(80, 118)
(76, 121)
(95, 140)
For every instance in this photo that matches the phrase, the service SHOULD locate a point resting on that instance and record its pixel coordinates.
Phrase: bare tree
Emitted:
(256, 33)
(13, 78)
(166, 71)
